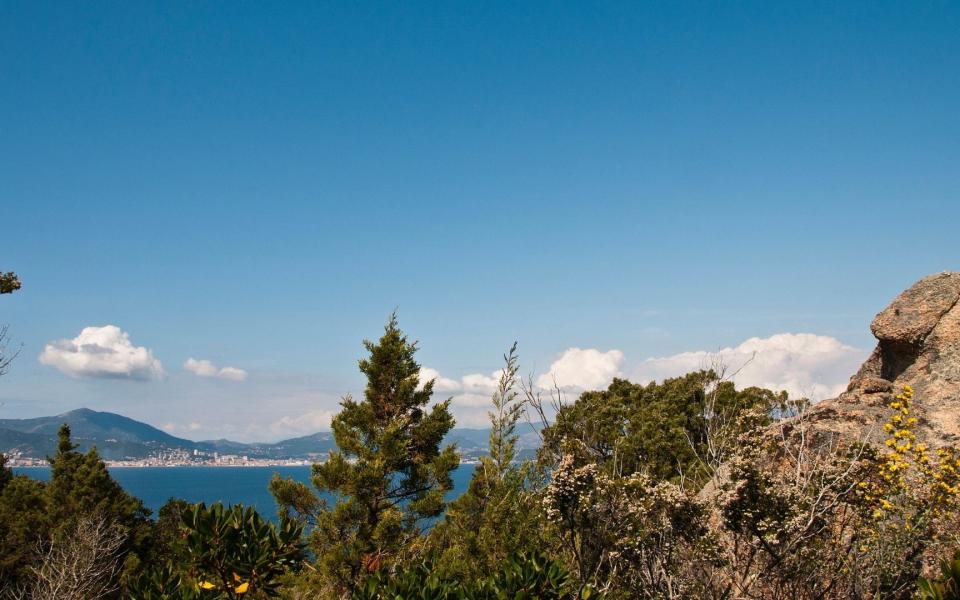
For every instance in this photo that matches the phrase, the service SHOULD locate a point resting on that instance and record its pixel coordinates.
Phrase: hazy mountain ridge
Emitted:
(121, 438)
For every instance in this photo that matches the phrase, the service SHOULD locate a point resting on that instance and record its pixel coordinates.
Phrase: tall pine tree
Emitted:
(389, 473)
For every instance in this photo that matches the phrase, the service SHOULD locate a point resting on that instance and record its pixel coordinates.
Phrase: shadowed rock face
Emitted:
(919, 345)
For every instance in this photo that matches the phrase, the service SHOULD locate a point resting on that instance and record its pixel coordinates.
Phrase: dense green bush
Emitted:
(523, 576)
(229, 552)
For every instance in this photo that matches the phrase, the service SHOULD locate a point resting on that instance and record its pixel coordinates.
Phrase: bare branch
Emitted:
(82, 564)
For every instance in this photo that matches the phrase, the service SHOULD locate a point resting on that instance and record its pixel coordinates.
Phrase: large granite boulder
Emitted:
(919, 345)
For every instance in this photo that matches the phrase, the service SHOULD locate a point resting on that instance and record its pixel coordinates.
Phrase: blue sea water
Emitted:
(230, 485)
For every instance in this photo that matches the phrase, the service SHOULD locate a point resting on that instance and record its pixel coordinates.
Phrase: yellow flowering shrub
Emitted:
(914, 486)
(816, 517)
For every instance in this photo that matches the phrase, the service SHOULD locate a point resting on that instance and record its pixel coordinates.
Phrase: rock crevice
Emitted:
(918, 344)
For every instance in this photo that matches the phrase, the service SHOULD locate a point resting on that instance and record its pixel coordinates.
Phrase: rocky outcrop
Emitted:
(918, 345)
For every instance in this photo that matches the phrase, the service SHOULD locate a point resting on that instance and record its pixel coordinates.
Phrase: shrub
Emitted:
(524, 576)
(229, 552)
(947, 587)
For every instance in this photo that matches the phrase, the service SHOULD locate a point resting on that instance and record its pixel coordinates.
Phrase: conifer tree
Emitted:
(497, 515)
(389, 473)
(81, 484)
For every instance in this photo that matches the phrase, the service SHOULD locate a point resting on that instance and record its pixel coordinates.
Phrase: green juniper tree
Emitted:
(81, 484)
(389, 473)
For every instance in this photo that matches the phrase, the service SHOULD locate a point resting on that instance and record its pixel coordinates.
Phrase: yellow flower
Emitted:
(242, 588)
(206, 585)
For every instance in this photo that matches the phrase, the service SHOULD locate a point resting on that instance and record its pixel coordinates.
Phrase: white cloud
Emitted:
(205, 368)
(174, 428)
(303, 424)
(803, 364)
(471, 410)
(232, 373)
(478, 382)
(440, 384)
(102, 352)
(471, 395)
(201, 368)
(585, 369)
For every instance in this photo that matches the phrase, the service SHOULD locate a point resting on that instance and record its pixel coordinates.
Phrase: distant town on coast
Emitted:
(125, 442)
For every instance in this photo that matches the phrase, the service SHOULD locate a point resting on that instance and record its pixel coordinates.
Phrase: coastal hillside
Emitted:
(120, 438)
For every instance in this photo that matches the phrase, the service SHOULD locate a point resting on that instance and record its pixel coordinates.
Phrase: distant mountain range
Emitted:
(121, 438)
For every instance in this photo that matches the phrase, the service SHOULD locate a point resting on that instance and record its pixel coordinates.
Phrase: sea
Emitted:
(230, 485)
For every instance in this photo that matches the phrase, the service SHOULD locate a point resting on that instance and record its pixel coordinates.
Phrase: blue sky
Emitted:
(259, 186)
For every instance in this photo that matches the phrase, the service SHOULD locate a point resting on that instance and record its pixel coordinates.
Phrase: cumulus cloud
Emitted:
(104, 352)
(802, 364)
(585, 369)
(471, 383)
(440, 383)
(471, 394)
(205, 368)
(303, 424)
(232, 373)
(478, 382)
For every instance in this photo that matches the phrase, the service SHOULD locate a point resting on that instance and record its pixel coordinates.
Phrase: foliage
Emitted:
(947, 586)
(81, 563)
(163, 582)
(6, 473)
(523, 576)
(498, 513)
(295, 500)
(228, 553)
(34, 516)
(389, 473)
(629, 535)
(9, 282)
(80, 484)
(680, 428)
(687, 488)
(166, 542)
(809, 518)
(23, 521)
(531, 576)
(507, 410)
(789, 525)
